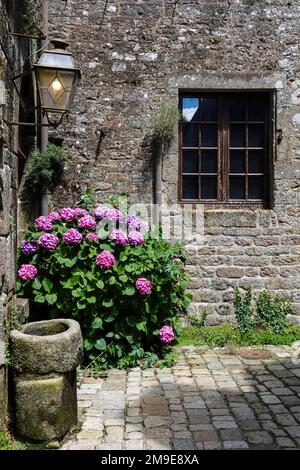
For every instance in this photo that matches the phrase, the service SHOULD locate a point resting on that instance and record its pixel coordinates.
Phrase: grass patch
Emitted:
(8, 443)
(230, 335)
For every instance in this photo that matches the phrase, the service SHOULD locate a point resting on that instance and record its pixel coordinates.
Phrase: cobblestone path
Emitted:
(210, 399)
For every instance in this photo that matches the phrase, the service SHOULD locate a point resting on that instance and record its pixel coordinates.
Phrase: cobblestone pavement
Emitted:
(210, 399)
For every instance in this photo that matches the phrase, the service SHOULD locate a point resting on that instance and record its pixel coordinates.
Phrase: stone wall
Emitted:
(14, 16)
(134, 57)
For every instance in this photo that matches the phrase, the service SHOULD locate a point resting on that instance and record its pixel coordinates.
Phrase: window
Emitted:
(224, 148)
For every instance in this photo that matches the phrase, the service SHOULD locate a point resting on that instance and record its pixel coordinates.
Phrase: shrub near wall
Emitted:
(124, 290)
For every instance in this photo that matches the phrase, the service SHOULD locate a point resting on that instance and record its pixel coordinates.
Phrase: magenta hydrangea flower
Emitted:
(93, 236)
(68, 214)
(166, 334)
(135, 223)
(27, 272)
(105, 260)
(119, 237)
(135, 238)
(87, 222)
(48, 241)
(43, 223)
(28, 248)
(143, 286)
(101, 212)
(114, 215)
(72, 237)
(54, 216)
(79, 211)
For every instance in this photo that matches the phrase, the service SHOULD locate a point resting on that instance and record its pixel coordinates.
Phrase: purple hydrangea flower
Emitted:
(48, 241)
(87, 222)
(167, 334)
(119, 237)
(105, 260)
(101, 212)
(27, 272)
(54, 216)
(28, 248)
(135, 238)
(93, 236)
(79, 211)
(143, 286)
(72, 237)
(43, 223)
(135, 223)
(68, 214)
(114, 215)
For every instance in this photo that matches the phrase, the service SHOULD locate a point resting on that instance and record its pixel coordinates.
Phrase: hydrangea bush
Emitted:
(126, 289)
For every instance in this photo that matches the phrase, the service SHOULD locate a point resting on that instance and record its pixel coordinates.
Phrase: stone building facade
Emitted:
(136, 56)
(15, 16)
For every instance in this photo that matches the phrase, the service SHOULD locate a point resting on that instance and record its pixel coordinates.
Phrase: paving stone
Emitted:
(110, 446)
(235, 445)
(225, 425)
(285, 442)
(285, 420)
(134, 444)
(249, 425)
(293, 431)
(259, 437)
(155, 444)
(156, 421)
(270, 399)
(114, 422)
(209, 445)
(133, 435)
(184, 444)
(231, 435)
(83, 445)
(282, 391)
(208, 436)
(155, 410)
(158, 433)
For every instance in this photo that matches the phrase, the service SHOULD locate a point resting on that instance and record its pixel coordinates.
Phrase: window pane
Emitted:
(209, 135)
(256, 137)
(190, 161)
(237, 109)
(237, 161)
(209, 109)
(190, 136)
(190, 187)
(237, 187)
(256, 187)
(208, 187)
(190, 109)
(256, 161)
(237, 135)
(256, 110)
(209, 161)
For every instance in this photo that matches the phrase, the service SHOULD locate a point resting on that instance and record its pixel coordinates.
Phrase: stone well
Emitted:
(44, 359)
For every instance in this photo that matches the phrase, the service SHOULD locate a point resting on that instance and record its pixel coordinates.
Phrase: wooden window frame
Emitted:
(223, 151)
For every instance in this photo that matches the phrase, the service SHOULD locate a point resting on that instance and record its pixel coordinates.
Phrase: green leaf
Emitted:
(97, 323)
(129, 291)
(107, 302)
(51, 298)
(123, 278)
(142, 326)
(110, 335)
(69, 263)
(47, 285)
(100, 284)
(112, 280)
(81, 305)
(92, 299)
(36, 284)
(39, 299)
(100, 344)
(88, 344)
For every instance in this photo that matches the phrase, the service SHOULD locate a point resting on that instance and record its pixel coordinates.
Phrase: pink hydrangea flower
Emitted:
(135, 223)
(28, 248)
(43, 223)
(27, 272)
(54, 216)
(119, 237)
(101, 212)
(135, 238)
(105, 260)
(114, 215)
(48, 241)
(87, 222)
(166, 334)
(72, 237)
(143, 286)
(79, 211)
(93, 236)
(68, 214)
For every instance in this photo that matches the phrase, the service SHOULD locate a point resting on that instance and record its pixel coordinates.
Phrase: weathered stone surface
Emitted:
(45, 408)
(47, 346)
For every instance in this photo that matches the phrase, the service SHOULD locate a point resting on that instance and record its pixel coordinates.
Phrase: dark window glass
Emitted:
(237, 109)
(190, 161)
(190, 187)
(237, 161)
(237, 135)
(256, 137)
(209, 161)
(209, 109)
(237, 187)
(256, 110)
(209, 135)
(190, 135)
(208, 187)
(256, 161)
(256, 187)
